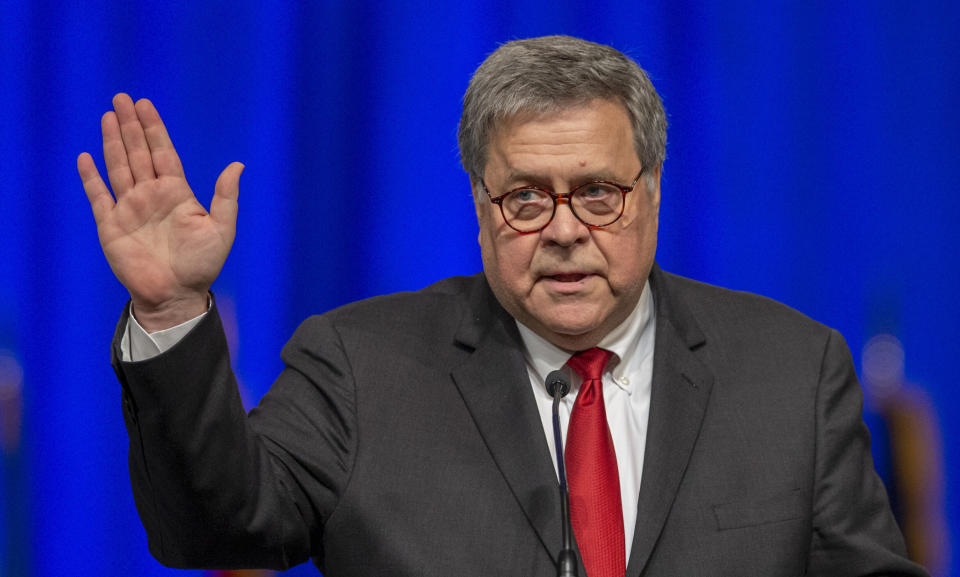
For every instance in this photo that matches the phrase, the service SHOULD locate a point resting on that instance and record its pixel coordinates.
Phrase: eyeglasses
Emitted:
(530, 209)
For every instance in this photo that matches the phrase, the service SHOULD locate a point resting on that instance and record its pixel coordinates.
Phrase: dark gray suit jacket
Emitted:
(402, 439)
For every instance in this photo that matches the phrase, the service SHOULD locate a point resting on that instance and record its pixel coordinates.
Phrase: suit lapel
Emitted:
(494, 385)
(681, 388)
(496, 390)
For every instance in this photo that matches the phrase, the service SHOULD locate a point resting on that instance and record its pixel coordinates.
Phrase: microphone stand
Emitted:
(558, 386)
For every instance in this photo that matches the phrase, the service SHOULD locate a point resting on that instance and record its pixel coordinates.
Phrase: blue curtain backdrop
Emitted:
(812, 158)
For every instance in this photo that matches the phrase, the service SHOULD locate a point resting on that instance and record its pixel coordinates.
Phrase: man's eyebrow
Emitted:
(517, 178)
(520, 178)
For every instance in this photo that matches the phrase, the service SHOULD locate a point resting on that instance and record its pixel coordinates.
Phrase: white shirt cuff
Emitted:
(139, 345)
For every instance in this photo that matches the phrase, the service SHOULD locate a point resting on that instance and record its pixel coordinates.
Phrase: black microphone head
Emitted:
(557, 382)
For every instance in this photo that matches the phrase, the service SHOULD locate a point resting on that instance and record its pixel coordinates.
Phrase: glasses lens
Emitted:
(598, 203)
(527, 208)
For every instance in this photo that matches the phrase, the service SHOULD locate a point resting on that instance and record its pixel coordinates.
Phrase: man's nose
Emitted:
(565, 229)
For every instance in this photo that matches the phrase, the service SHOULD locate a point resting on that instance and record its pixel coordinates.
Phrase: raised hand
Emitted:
(162, 245)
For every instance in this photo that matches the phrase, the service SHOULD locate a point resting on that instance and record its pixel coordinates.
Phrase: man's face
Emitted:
(570, 284)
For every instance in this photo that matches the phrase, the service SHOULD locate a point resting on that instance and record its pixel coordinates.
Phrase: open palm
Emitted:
(162, 245)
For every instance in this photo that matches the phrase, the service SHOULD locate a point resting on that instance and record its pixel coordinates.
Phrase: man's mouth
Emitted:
(567, 277)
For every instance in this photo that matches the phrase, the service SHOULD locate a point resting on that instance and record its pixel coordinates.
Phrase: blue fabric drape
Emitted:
(811, 157)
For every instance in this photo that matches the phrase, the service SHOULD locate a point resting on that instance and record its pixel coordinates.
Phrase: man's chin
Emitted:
(573, 335)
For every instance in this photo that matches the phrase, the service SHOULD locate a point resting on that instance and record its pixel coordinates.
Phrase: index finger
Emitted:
(166, 162)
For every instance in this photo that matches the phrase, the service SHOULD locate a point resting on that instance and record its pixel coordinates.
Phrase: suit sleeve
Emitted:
(854, 532)
(218, 489)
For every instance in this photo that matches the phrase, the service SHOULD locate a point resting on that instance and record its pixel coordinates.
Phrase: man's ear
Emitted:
(478, 208)
(478, 204)
(653, 187)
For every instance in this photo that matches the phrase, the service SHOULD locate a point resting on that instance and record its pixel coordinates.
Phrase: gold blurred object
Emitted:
(916, 452)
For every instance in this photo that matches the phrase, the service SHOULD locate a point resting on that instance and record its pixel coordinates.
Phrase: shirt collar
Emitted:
(632, 336)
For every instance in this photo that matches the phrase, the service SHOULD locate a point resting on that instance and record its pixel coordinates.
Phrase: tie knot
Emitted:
(590, 363)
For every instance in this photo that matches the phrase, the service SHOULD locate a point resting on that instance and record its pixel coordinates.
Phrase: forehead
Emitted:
(595, 138)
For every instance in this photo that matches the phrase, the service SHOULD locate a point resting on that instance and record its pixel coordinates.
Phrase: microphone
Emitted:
(557, 380)
(558, 385)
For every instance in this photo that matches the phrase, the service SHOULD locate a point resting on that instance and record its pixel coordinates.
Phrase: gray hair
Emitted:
(548, 74)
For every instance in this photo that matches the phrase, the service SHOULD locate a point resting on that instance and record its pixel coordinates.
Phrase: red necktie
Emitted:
(596, 512)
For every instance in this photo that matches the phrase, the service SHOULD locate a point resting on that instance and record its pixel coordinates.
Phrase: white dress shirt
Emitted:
(137, 344)
(626, 395)
(626, 387)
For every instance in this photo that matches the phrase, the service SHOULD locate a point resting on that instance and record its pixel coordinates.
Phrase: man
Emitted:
(708, 432)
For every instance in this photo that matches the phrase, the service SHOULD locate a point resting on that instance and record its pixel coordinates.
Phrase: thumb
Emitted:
(223, 207)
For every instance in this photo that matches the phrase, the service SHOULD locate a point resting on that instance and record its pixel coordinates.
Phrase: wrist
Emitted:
(157, 317)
